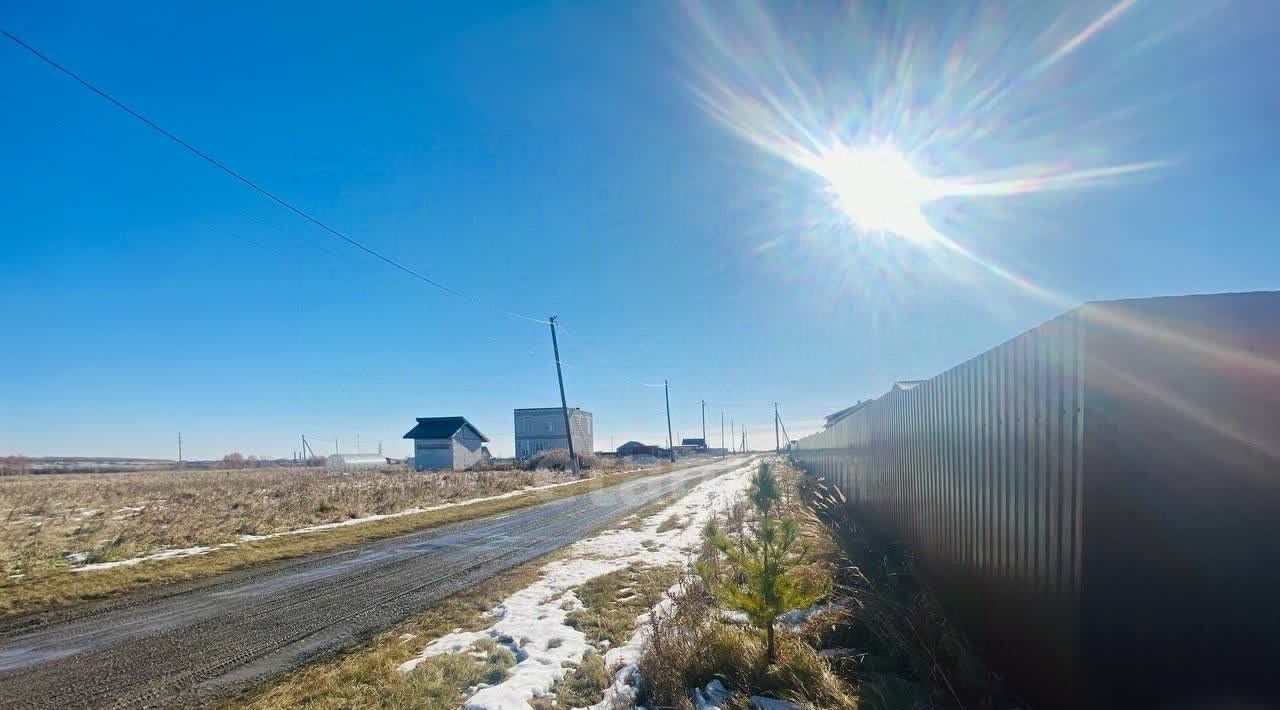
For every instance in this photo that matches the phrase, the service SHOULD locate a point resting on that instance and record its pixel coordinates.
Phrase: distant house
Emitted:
(542, 428)
(699, 443)
(635, 448)
(899, 386)
(837, 416)
(450, 443)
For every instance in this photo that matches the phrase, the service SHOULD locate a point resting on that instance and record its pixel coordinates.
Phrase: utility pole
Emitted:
(704, 422)
(357, 443)
(564, 404)
(733, 436)
(722, 448)
(744, 439)
(666, 393)
(777, 440)
(179, 451)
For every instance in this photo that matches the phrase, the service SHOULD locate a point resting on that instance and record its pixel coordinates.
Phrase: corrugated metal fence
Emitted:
(1097, 501)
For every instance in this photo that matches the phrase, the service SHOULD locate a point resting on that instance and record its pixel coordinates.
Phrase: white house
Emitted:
(446, 443)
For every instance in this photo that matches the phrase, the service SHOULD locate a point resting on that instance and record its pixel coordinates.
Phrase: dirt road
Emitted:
(219, 635)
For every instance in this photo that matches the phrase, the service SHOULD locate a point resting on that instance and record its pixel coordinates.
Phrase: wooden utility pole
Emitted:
(179, 451)
(777, 440)
(666, 393)
(564, 405)
(308, 452)
(723, 450)
(733, 436)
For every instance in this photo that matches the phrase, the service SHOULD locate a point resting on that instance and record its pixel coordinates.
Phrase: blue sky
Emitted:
(568, 158)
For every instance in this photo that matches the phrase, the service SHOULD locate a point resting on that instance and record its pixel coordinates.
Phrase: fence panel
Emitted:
(1082, 494)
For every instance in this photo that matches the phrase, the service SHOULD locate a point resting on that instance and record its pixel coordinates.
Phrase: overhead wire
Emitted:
(245, 180)
(301, 213)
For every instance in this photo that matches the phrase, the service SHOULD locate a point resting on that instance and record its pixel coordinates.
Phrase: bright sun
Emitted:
(878, 190)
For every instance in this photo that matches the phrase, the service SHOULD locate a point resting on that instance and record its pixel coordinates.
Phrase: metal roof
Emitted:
(837, 416)
(441, 428)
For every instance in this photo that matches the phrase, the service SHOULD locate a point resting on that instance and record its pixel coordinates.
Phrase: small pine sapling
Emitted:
(762, 559)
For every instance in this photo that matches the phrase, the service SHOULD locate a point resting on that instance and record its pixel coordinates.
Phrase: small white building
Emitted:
(354, 462)
(450, 443)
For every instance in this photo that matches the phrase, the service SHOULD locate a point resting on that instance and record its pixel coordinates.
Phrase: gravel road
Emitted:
(203, 641)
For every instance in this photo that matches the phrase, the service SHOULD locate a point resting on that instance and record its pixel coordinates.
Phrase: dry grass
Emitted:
(367, 676)
(613, 601)
(611, 604)
(46, 583)
(694, 644)
(106, 517)
(670, 524)
(898, 646)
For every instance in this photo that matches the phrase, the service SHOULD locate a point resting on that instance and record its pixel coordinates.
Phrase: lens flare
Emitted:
(922, 129)
(878, 189)
(929, 126)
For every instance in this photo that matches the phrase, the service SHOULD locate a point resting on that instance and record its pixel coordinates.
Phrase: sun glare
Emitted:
(877, 189)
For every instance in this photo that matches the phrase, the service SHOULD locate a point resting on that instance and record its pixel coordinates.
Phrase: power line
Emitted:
(241, 178)
(268, 194)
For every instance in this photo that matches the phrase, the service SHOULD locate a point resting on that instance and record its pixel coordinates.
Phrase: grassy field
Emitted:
(50, 523)
(46, 520)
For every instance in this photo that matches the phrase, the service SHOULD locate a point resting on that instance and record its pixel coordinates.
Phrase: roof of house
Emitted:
(899, 386)
(837, 416)
(693, 442)
(441, 428)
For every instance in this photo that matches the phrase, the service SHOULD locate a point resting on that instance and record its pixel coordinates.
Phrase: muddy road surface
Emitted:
(201, 642)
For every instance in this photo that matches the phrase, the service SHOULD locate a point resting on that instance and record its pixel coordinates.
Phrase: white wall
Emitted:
(466, 449)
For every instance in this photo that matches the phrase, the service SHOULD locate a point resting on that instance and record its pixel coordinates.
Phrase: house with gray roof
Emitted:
(448, 443)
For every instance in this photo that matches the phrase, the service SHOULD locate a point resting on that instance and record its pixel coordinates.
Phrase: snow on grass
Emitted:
(153, 557)
(410, 511)
(76, 557)
(532, 622)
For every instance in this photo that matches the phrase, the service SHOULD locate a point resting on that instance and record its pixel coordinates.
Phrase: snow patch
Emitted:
(79, 557)
(129, 511)
(410, 511)
(711, 697)
(155, 556)
(759, 702)
(532, 622)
